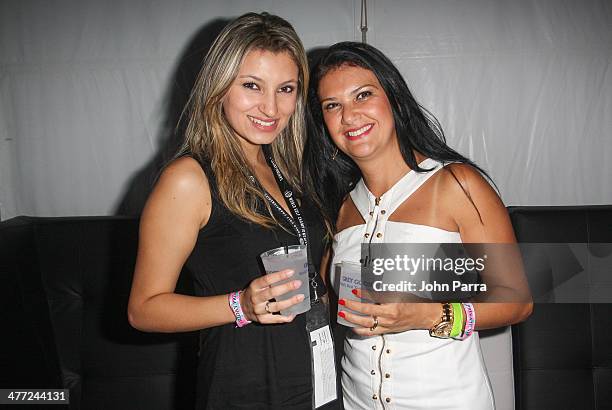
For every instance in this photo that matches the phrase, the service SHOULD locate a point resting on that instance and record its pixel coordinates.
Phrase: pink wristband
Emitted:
(234, 302)
(470, 321)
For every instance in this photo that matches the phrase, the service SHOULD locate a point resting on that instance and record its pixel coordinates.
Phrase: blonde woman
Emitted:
(218, 206)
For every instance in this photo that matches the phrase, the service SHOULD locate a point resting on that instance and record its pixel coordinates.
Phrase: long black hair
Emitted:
(330, 174)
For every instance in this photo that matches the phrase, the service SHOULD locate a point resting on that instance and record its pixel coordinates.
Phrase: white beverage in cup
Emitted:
(294, 257)
(349, 279)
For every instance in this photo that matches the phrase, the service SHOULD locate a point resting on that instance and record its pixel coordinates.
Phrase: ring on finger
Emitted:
(267, 306)
(375, 325)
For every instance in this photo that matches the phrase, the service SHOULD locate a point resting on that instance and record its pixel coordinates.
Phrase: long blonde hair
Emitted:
(209, 136)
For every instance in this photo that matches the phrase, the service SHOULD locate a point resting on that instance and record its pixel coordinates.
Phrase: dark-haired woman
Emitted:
(384, 173)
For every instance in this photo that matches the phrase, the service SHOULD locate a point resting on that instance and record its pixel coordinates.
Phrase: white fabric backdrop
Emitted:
(89, 90)
(522, 87)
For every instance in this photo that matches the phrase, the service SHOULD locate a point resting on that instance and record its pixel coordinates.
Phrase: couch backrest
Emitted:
(563, 353)
(83, 268)
(66, 283)
(27, 349)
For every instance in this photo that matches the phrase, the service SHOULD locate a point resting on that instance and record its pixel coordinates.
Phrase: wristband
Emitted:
(470, 321)
(457, 320)
(234, 302)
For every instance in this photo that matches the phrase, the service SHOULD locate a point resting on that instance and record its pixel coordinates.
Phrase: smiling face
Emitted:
(357, 113)
(262, 98)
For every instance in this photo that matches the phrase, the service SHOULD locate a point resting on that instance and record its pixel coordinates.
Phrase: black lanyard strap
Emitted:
(295, 220)
(300, 233)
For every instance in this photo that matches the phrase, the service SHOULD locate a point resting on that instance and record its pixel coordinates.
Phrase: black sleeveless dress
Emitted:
(256, 366)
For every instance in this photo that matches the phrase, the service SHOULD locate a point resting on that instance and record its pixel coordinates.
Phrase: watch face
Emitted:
(443, 329)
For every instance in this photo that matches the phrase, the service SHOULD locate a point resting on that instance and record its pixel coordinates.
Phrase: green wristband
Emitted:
(457, 320)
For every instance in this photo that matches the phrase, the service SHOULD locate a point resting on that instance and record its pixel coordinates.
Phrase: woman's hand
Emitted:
(389, 317)
(256, 302)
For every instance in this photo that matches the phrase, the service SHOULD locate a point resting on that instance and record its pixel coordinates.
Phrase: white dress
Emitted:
(408, 370)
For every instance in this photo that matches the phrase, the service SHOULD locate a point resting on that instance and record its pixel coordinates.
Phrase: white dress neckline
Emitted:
(378, 214)
(417, 364)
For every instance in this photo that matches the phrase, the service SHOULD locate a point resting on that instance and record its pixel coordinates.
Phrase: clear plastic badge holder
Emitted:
(323, 359)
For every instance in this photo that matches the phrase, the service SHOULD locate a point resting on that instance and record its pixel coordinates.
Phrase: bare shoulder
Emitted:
(173, 215)
(463, 180)
(184, 173)
(474, 205)
(182, 188)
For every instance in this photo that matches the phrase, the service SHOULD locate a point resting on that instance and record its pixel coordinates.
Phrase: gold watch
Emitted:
(443, 328)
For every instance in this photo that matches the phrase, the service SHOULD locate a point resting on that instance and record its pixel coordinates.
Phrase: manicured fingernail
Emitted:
(300, 297)
(355, 292)
(297, 283)
(342, 302)
(342, 315)
(289, 273)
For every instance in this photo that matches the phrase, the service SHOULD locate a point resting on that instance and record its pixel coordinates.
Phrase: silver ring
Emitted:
(267, 307)
(375, 325)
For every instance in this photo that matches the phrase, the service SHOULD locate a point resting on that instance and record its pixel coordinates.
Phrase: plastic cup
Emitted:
(349, 274)
(292, 257)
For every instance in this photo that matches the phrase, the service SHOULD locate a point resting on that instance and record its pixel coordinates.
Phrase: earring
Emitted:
(335, 154)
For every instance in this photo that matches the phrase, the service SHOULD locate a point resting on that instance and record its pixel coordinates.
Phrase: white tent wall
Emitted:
(522, 87)
(88, 90)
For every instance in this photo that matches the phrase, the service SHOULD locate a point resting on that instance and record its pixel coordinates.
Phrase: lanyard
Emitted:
(323, 361)
(295, 220)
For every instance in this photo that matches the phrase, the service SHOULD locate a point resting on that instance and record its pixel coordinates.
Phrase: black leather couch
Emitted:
(63, 303)
(63, 297)
(564, 364)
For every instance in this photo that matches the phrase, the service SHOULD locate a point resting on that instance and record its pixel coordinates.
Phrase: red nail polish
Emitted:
(355, 292)
(342, 302)
(341, 314)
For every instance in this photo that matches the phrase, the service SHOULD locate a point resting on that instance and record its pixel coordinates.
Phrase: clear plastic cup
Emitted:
(349, 274)
(294, 257)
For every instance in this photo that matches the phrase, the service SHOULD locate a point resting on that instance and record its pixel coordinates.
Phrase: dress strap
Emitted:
(365, 201)
(361, 198)
(410, 183)
(218, 209)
